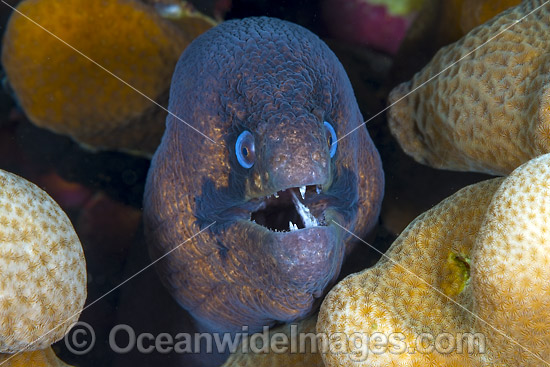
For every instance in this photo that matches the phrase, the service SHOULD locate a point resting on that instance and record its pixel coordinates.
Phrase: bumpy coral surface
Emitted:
(490, 111)
(39, 358)
(284, 347)
(476, 263)
(42, 267)
(63, 91)
(511, 268)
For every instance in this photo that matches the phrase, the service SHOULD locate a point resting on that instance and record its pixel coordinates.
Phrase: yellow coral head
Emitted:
(43, 282)
(467, 283)
(63, 90)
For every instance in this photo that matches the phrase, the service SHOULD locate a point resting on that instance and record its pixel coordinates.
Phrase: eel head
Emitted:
(272, 188)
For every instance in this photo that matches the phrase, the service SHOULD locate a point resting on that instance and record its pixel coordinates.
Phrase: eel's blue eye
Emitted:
(332, 141)
(244, 149)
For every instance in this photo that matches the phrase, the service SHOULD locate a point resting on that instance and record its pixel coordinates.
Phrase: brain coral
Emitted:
(63, 91)
(478, 262)
(491, 111)
(42, 267)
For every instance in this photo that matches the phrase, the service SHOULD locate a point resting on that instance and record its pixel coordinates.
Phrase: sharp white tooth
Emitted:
(303, 191)
(292, 226)
(276, 195)
(318, 189)
(308, 218)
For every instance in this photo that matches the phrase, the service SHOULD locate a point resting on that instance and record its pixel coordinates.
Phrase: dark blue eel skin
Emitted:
(279, 82)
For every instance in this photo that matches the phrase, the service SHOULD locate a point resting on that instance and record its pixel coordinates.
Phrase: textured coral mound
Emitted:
(42, 267)
(489, 112)
(64, 92)
(478, 262)
(279, 352)
(39, 358)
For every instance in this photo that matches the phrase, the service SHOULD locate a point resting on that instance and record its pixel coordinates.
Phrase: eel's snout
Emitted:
(292, 170)
(301, 158)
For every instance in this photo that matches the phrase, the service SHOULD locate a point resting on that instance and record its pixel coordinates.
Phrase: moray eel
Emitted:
(275, 99)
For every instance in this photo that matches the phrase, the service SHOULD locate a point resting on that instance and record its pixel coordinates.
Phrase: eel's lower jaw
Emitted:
(290, 210)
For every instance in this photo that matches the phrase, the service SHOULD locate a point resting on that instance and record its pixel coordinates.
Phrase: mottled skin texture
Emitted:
(278, 81)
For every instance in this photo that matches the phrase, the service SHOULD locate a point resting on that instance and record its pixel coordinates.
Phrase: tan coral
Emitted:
(63, 91)
(289, 345)
(38, 358)
(511, 272)
(476, 263)
(42, 268)
(489, 112)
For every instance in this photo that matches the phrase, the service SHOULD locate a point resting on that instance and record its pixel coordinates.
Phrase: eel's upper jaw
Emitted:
(291, 209)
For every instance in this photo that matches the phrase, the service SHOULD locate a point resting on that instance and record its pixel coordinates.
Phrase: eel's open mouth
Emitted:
(284, 211)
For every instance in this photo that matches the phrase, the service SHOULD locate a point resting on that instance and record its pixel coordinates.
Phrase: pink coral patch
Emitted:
(359, 22)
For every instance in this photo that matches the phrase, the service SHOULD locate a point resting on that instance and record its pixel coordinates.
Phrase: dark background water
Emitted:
(106, 203)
